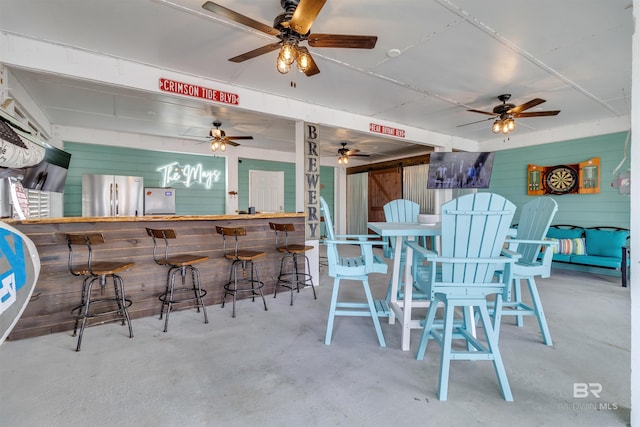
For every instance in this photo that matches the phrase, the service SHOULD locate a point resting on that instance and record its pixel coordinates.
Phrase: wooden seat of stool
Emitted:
(244, 255)
(294, 248)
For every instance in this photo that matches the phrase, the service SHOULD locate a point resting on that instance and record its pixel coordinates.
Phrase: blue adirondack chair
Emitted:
(398, 210)
(535, 218)
(474, 228)
(345, 263)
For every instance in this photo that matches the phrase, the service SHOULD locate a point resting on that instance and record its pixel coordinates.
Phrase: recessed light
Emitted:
(392, 53)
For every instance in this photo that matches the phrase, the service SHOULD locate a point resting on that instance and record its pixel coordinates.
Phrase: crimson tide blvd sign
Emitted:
(200, 92)
(386, 130)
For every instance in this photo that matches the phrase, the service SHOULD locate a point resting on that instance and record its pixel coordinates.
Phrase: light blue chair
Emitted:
(535, 218)
(474, 228)
(346, 263)
(399, 210)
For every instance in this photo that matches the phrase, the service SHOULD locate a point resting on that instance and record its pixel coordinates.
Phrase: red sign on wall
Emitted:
(386, 130)
(201, 92)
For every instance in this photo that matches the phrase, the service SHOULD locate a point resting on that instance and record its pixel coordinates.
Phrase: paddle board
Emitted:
(19, 271)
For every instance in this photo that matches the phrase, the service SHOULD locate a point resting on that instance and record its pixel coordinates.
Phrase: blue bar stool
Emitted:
(178, 263)
(94, 272)
(242, 259)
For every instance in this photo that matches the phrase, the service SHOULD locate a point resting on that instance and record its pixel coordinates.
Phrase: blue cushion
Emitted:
(607, 243)
(598, 261)
(562, 257)
(565, 233)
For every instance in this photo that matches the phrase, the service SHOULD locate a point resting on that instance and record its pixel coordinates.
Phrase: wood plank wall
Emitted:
(57, 291)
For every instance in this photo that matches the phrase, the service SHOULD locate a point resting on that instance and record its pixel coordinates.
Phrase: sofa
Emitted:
(599, 247)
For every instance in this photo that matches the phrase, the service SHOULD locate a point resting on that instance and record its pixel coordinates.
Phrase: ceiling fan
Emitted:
(220, 140)
(292, 27)
(344, 153)
(506, 113)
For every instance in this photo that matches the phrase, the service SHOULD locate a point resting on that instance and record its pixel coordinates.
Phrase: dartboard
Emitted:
(561, 180)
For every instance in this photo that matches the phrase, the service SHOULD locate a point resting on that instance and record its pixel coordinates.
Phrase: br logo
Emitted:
(584, 390)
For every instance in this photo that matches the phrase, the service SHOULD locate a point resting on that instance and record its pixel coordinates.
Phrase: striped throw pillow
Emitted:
(569, 246)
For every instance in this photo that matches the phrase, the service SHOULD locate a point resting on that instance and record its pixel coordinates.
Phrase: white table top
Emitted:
(404, 229)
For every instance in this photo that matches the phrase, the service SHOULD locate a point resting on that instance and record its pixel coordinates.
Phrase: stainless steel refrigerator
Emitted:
(112, 195)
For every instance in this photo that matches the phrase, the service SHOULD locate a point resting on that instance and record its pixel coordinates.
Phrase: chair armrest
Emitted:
(360, 237)
(512, 242)
(356, 242)
(419, 250)
(511, 254)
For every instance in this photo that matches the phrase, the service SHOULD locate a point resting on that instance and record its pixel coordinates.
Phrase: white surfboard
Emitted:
(19, 271)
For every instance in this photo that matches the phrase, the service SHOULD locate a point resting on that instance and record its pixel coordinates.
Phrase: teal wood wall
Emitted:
(245, 165)
(509, 178)
(100, 159)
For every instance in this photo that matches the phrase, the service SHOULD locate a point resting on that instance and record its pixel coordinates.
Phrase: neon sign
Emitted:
(188, 175)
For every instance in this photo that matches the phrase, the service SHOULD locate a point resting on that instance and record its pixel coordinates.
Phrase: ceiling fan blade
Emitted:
(231, 143)
(256, 52)
(312, 69)
(342, 40)
(240, 19)
(483, 112)
(358, 155)
(231, 138)
(472, 123)
(306, 12)
(526, 106)
(538, 114)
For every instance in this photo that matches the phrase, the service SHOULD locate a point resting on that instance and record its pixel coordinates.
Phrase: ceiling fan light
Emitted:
(282, 66)
(496, 127)
(505, 127)
(214, 146)
(223, 146)
(511, 124)
(288, 53)
(303, 59)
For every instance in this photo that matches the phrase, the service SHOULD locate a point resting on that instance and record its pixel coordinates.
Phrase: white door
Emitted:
(266, 191)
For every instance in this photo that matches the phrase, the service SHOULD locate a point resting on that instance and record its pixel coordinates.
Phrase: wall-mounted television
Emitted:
(460, 170)
(50, 174)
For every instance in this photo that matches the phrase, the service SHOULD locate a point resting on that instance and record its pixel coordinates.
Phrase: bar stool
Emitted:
(244, 259)
(178, 263)
(292, 278)
(97, 271)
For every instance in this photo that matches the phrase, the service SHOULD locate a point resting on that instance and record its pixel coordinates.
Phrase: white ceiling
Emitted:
(455, 55)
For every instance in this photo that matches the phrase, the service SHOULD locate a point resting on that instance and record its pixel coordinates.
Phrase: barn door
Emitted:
(384, 185)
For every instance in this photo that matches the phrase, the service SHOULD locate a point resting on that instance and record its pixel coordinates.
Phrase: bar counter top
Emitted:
(126, 239)
(151, 218)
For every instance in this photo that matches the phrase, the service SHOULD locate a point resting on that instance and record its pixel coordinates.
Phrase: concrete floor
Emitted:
(272, 368)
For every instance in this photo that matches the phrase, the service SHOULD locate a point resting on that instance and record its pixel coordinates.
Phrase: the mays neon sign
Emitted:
(188, 175)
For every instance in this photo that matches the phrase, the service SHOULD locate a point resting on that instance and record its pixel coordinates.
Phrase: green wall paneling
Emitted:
(509, 178)
(327, 180)
(106, 160)
(245, 165)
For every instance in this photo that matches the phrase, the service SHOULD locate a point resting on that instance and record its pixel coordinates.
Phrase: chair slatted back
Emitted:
(399, 210)
(535, 218)
(474, 228)
(328, 222)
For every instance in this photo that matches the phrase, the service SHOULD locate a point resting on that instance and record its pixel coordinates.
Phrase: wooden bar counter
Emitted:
(57, 291)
